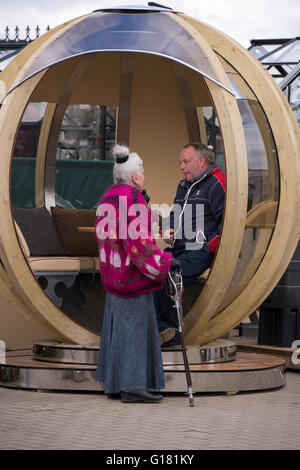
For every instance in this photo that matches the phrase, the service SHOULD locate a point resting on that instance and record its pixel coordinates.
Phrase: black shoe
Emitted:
(140, 396)
(114, 396)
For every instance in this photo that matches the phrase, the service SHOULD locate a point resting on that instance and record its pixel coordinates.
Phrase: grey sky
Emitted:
(241, 19)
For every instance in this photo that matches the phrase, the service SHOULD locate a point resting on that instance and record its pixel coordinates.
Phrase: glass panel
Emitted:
(256, 155)
(23, 162)
(294, 98)
(154, 33)
(5, 63)
(289, 53)
(87, 133)
(260, 51)
(213, 133)
(22, 182)
(80, 183)
(278, 72)
(6, 56)
(86, 138)
(5, 53)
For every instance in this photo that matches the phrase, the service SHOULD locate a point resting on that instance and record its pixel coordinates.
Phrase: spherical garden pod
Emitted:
(168, 79)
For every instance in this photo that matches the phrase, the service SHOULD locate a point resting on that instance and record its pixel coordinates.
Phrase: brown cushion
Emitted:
(75, 243)
(39, 231)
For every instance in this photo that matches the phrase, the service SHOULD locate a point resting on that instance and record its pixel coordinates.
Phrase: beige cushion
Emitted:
(57, 263)
(63, 263)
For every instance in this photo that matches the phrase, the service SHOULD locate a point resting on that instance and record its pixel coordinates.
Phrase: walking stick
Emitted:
(174, 287)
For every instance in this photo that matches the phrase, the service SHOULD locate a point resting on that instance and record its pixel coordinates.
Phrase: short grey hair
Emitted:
(203, 151)
(122, 171)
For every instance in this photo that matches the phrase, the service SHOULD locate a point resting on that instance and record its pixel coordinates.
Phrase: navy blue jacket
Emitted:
(208, 189)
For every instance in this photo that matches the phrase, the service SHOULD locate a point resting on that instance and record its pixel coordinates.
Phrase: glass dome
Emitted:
(151, 32)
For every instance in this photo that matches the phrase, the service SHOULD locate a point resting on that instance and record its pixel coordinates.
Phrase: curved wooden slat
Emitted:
(41, 155)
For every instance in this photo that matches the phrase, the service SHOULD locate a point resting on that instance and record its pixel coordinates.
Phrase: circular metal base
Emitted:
(215, 352)
(53, 351)
(247, 372)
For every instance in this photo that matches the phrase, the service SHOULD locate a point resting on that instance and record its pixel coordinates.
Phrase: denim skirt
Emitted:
(130, 355)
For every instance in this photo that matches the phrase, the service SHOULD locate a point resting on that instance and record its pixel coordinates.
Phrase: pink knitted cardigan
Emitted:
(130, 262)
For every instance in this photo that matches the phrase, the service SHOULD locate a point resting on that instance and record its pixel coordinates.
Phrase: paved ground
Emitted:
(46, 420)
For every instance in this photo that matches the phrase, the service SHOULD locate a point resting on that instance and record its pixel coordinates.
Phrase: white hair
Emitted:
(122, 171)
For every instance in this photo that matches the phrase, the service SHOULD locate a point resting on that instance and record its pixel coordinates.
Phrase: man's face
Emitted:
(191, 164)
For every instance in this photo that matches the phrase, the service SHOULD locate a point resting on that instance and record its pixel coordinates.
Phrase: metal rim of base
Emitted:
(84, 380)
(217, 351)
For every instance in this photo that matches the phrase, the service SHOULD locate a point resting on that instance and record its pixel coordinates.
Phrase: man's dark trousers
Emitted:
(193, 263)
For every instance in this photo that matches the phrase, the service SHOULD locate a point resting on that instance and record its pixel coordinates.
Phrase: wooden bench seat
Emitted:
(66, 263)
(57, 263)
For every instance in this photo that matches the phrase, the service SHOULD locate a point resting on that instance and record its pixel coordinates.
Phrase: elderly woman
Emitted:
(132, 268)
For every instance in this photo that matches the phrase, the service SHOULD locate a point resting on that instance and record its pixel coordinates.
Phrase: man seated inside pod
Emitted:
(194, 229)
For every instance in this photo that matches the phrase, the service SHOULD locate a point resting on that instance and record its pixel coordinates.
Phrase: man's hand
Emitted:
(168, 236)
(175, 265)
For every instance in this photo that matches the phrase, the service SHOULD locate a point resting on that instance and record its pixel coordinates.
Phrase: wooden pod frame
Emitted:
(220, 306)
